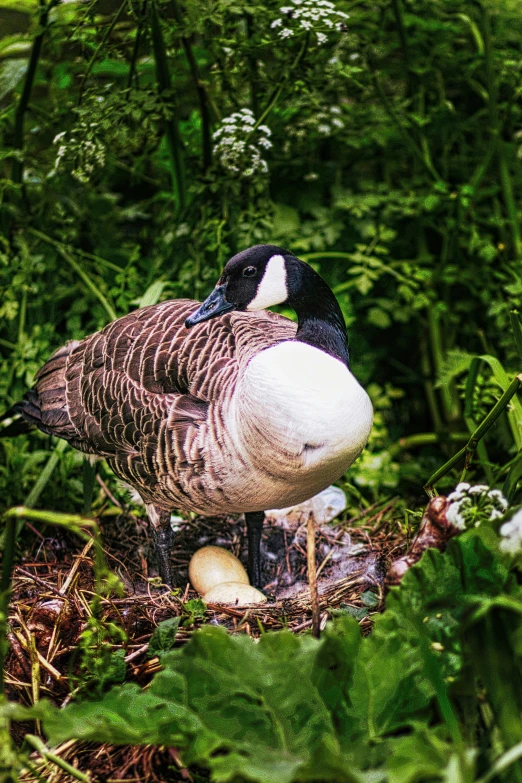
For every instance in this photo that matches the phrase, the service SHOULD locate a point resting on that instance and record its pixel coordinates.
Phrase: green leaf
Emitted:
(152, 295)
(11, 74)
(195, 609)
(243, 710)
(164, 636)
(419, 756)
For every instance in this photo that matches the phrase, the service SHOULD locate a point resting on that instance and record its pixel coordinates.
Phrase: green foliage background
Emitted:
(393, 169)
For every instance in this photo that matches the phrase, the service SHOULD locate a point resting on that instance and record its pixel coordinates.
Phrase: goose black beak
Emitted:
(215, 304)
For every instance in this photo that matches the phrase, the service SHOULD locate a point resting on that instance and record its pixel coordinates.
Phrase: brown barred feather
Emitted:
(148, 395)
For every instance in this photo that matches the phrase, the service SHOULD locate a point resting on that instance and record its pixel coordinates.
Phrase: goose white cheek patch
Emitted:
(272, 289)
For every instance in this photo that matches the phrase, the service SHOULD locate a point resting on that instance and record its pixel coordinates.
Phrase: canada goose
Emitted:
(220, 407)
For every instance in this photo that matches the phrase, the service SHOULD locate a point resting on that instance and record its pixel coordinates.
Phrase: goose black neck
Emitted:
(320, 321)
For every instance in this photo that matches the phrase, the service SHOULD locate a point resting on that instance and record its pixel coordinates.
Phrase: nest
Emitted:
(54, 587)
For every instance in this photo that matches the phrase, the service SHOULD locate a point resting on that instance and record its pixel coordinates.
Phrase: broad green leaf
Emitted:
(152, 294)
(11, 74)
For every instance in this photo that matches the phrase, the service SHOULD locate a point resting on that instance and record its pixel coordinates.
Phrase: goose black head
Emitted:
(252, 280)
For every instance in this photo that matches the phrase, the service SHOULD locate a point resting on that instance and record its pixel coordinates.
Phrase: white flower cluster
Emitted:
(318, 16)
(469, 506)
(328, 120)
(239, 143)
(511, 533)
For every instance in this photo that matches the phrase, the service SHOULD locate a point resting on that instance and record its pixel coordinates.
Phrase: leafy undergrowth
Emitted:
(434, 693)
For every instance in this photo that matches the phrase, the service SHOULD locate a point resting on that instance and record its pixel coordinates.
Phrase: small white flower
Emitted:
(453, 496)
(59, 137)
(463, 486)
(469, 506)
(238, 144)
(511, 533)
(309, 15)
(478, 489)
(183, 230)
(453, 516)
(337, 122)
(324, 129)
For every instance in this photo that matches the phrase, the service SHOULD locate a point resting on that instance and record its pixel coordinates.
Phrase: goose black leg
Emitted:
(254, 523)
(162, 536)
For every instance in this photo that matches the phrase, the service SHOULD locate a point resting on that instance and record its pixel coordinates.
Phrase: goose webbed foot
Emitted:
(254, 523)
(162, 536)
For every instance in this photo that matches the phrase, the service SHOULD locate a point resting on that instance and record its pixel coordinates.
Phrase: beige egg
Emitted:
(212, 565)
(237, 593)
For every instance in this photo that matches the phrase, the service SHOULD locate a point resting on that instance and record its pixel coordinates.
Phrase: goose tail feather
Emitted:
(45, 406)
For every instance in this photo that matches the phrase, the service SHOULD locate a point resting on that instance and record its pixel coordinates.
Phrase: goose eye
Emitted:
(249, 271)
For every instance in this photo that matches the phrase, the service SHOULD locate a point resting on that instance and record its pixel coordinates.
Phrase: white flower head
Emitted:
(472, 505)
(316, 16)
(238, 145)
(511, 534)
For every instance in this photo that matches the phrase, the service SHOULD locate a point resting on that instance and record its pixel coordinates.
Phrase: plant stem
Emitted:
(408, 139)
(505, 176)
(468, 418)
(135, 51)
(48, 756)
(509, 201)
(426, 439)
(19, 118)
(5, 590)
(204, 103)
(93, 288)
(45, 475)
(428, 387)
(513, 477)
(479, 433)
(517, 330)
(450, 401)
(312, 576)
(253, 67)
(279, 88)
(102, 43)
(172, 134)
(23, 313)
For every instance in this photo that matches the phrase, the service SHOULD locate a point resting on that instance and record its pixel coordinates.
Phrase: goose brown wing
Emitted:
(115, 392)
